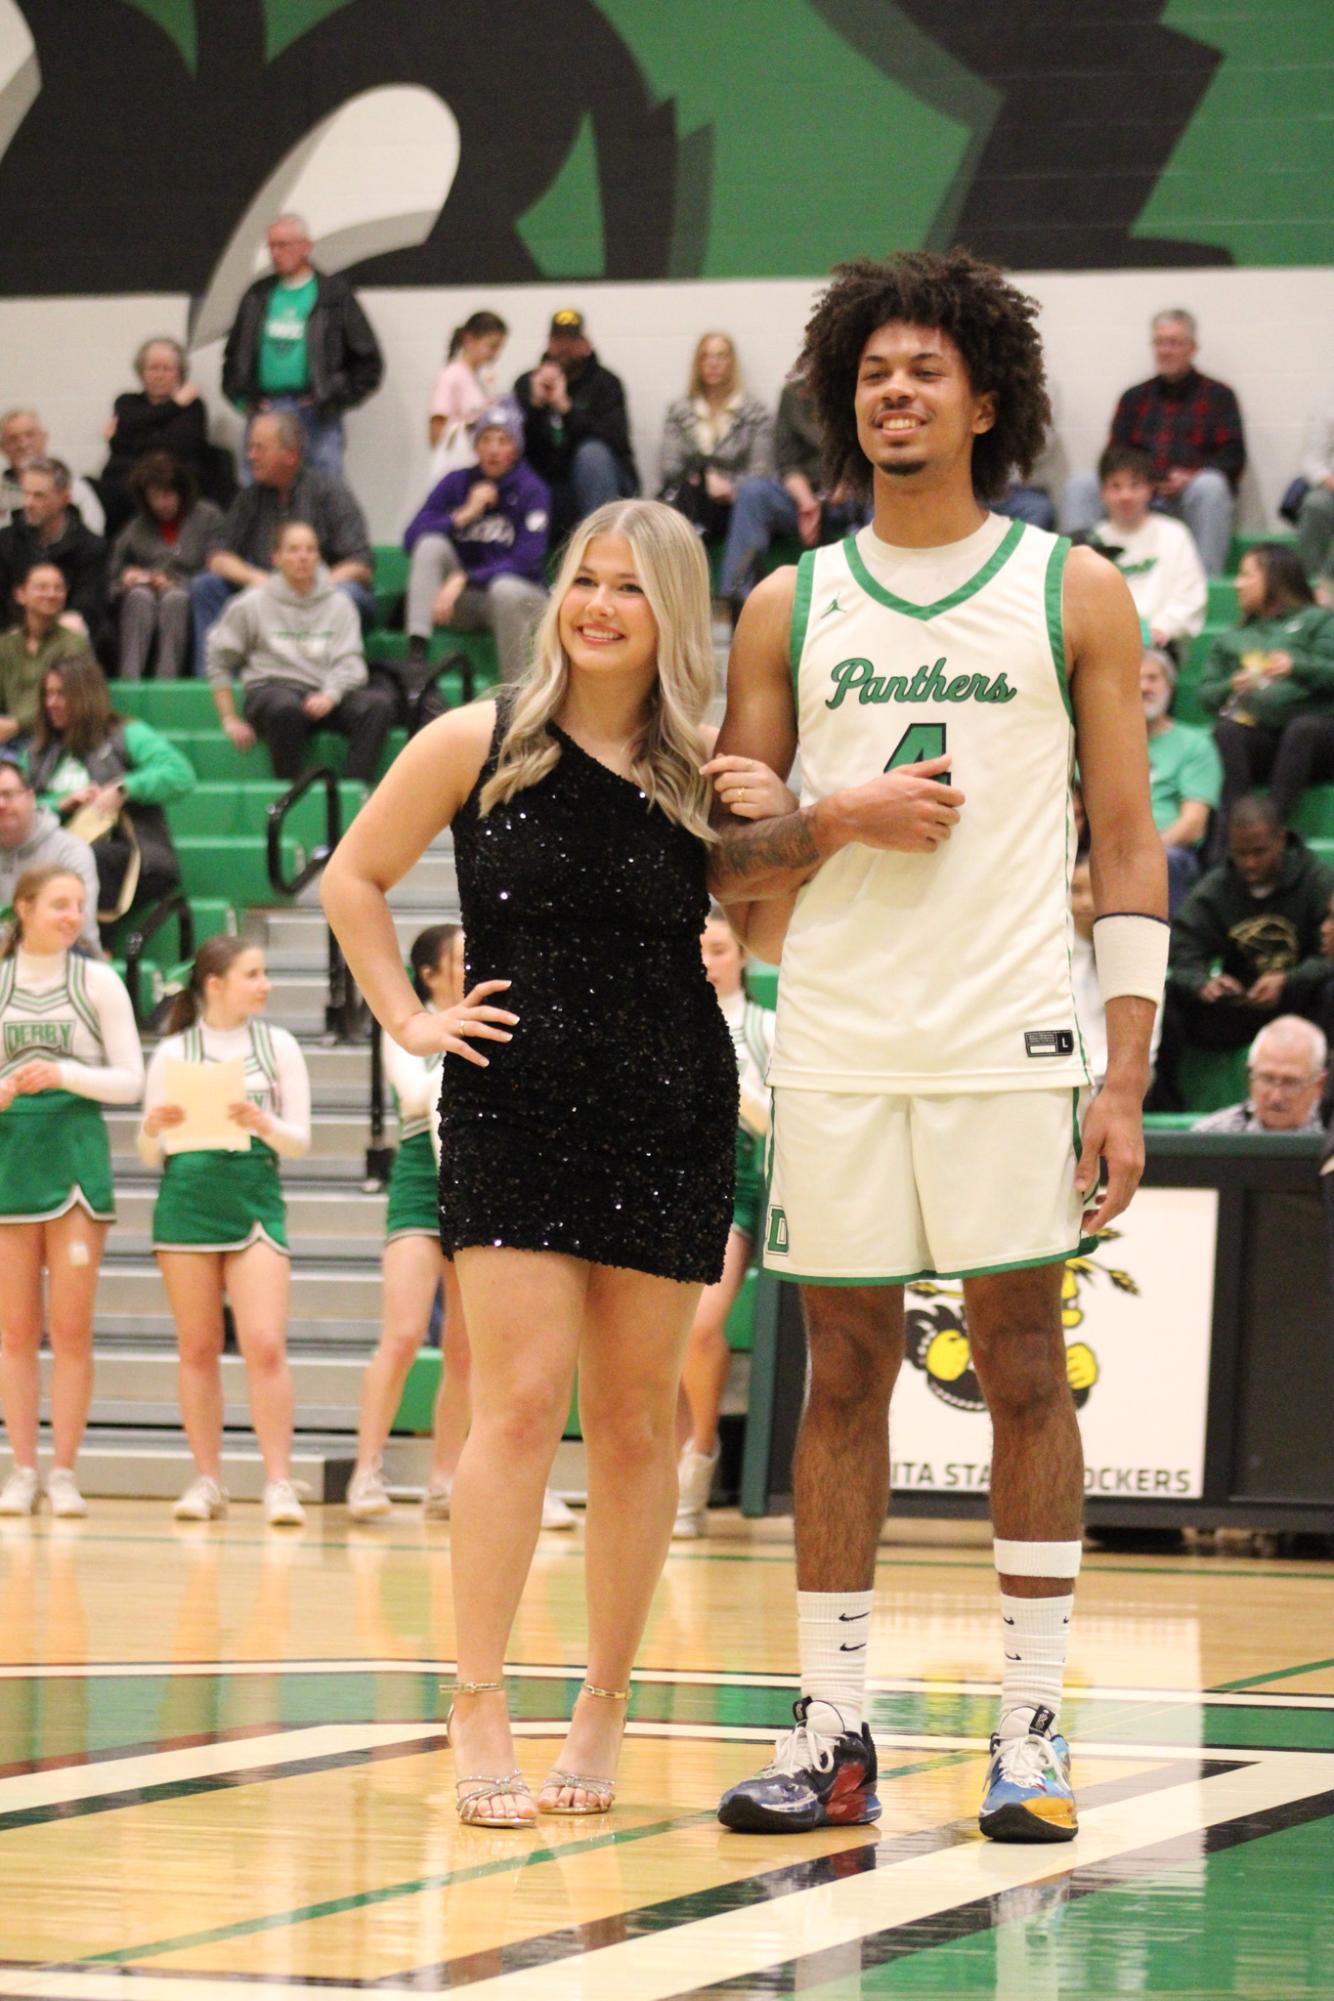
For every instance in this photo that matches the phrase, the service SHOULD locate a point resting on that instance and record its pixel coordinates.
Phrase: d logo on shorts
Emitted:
(777, 1241)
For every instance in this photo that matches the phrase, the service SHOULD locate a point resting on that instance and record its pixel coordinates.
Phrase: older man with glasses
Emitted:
(1286, 1074)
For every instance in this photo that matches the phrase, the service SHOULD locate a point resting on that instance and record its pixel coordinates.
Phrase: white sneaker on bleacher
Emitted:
(203, 1501)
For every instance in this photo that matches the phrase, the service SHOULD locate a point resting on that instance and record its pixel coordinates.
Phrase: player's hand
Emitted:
(749, 788)
(1268, 989)
(1114, 1135)
(251, 1118)
(36, 1075)
(1221, 987)
(911, 809)
(161, 1117)
(425, 1034)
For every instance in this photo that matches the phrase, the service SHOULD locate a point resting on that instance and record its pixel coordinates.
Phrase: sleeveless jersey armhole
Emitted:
(1055, 619)
(801, 612)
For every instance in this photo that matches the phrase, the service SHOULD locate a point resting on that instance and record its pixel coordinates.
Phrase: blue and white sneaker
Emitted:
(813, 1781)
(1028, 1796)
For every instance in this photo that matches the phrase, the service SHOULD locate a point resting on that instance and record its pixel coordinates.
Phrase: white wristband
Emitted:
(1131, 954)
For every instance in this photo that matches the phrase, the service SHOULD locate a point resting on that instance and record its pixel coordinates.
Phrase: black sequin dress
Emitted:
(606, 1129)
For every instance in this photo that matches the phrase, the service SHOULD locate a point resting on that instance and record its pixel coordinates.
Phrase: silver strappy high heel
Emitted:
(601, 1792)
(472, 1794)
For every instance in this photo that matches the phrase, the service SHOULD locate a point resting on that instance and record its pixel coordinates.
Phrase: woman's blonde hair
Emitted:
(733, 382)
(674, 573)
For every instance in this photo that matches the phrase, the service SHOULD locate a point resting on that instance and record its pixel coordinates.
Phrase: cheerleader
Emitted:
(220, 1223)
(415, 1265)
(704, 1375)
(68, 1047)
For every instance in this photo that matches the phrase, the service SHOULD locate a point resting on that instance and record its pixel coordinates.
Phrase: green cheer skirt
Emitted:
(749, 1196)
(217, 1201)
(54, 1154)
(414, 1191)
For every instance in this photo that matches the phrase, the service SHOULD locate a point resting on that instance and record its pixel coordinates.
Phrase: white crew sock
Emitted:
(1035, 1634)
(833, 1629)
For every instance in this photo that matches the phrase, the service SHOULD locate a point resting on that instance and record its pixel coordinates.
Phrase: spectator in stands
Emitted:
(1270, 682)
(1246, 943)
(301, 342)
(49, 530)
(1315, 515)
(166, 414)
(32, 837)
(713, 437)
(1190, 426)
(23, 438)
(1155, 554)
(1286, 1074)
(576, 426)
(1185, 776)
(1090, 1007)
(295, 643)
(40, 637)
(286, 488)
(797, 503)
(478, 546)
(1027, 503)
(86, 761)
(463, 388)
(165, 544)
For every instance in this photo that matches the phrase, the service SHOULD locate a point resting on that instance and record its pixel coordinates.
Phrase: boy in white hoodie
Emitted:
(295, 641)
(1154, 553)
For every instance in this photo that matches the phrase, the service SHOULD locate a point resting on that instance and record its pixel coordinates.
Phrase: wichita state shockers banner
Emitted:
(1138, 1315)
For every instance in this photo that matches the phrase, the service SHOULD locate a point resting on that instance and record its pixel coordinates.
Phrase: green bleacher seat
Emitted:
(762, 983)
(169, 705)
(1314, 817)
(1241, 543)
(216, 757)
(234, 866)
(232, 808)
(1322, 845)
(1212, 1078)
(385, 646)
(1221, 608)
(390, 578)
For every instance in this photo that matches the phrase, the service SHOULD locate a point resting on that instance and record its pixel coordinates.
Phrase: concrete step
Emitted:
(121, 1329)
(138, 1387)
(345, 1221)
(302, 941)
(128, 1462)
(321, 1292)
(298, 999)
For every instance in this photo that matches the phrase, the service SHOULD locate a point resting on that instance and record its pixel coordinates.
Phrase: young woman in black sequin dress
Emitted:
(589, 1102)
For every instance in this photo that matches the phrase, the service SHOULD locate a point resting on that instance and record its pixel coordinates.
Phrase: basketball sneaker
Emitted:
(695, 1476)
(62, 1491)
(814, 1781)
(1028, 1795)
(367, 1496)
(203, 1501)
(21, 1493)
(282, 1505)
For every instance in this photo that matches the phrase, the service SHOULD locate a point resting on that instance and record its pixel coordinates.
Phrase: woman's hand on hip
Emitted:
(425, 1034)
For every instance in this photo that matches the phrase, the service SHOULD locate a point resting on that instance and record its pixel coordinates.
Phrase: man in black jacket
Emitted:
(301, 342)
(50, 529)
(575, 424)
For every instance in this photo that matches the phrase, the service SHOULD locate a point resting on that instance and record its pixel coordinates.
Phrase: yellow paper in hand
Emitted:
(204, 1091)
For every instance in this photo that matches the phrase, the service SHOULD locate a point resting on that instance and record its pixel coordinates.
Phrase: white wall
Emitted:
(1268, 333)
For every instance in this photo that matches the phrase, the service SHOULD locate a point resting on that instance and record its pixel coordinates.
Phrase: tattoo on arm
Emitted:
(767, 857)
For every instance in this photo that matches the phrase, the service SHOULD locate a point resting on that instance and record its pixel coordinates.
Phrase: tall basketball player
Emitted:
(941, 671)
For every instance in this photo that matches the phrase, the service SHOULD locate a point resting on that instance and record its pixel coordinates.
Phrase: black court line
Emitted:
(1016, 1905)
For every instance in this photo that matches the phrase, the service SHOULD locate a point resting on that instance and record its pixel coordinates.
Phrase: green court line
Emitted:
(1279, 1674)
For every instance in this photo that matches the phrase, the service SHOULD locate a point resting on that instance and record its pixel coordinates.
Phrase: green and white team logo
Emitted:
(777, 1240)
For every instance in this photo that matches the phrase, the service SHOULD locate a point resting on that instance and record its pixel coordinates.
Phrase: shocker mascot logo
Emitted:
(937, 1336)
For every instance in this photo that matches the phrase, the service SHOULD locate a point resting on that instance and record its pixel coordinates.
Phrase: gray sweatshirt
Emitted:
(271, 634)
(48, 843)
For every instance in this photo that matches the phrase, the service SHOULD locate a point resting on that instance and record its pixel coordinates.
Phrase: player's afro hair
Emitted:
(989, 321)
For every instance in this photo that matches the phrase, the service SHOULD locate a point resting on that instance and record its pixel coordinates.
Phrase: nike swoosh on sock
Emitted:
(849, 1617)
(860, 1648)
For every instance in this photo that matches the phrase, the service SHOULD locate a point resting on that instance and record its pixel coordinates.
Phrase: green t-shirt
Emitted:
(284, 366)
(1183, 764)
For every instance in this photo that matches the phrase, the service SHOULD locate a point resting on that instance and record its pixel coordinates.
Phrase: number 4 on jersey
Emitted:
(918, 742)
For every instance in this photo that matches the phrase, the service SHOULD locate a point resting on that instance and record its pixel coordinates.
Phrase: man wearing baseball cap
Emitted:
(479, 545)
(576, 427)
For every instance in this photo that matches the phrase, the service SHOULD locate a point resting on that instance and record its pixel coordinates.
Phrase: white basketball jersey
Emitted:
(946, 972)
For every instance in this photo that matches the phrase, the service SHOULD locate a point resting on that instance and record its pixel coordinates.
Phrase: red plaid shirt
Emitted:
(1193, 423)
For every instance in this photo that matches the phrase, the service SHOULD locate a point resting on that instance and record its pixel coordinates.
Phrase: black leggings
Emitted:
(1291, 759)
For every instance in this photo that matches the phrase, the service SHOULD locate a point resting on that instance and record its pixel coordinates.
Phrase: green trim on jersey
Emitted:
(1081, 1249)
(1055, 622)
(999, 556)
(801, 612)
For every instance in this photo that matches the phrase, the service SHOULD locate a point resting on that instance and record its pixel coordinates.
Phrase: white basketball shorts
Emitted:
(875, 1190)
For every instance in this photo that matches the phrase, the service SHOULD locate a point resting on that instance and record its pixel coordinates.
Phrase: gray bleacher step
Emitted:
(302, 939)
(319, 1291)
(333, 1135)
(132, 1463)
(122, 1329)
(138, 1386)
(317, 1219)
(298, 1000)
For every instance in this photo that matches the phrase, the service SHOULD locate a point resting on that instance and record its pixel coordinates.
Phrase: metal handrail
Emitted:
(379, 1157)
(175, 904)
(343, 1010)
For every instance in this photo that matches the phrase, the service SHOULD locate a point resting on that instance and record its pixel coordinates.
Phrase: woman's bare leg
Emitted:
(708, 1357)
(193, 1284)
(21, 1250)
(258, 1281)
(635, 1332)
(411, 1270)
(74, 1244)
(525, 1310)
(450, 1424)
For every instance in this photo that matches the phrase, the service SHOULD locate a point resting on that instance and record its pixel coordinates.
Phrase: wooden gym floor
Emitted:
(221, 1760)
